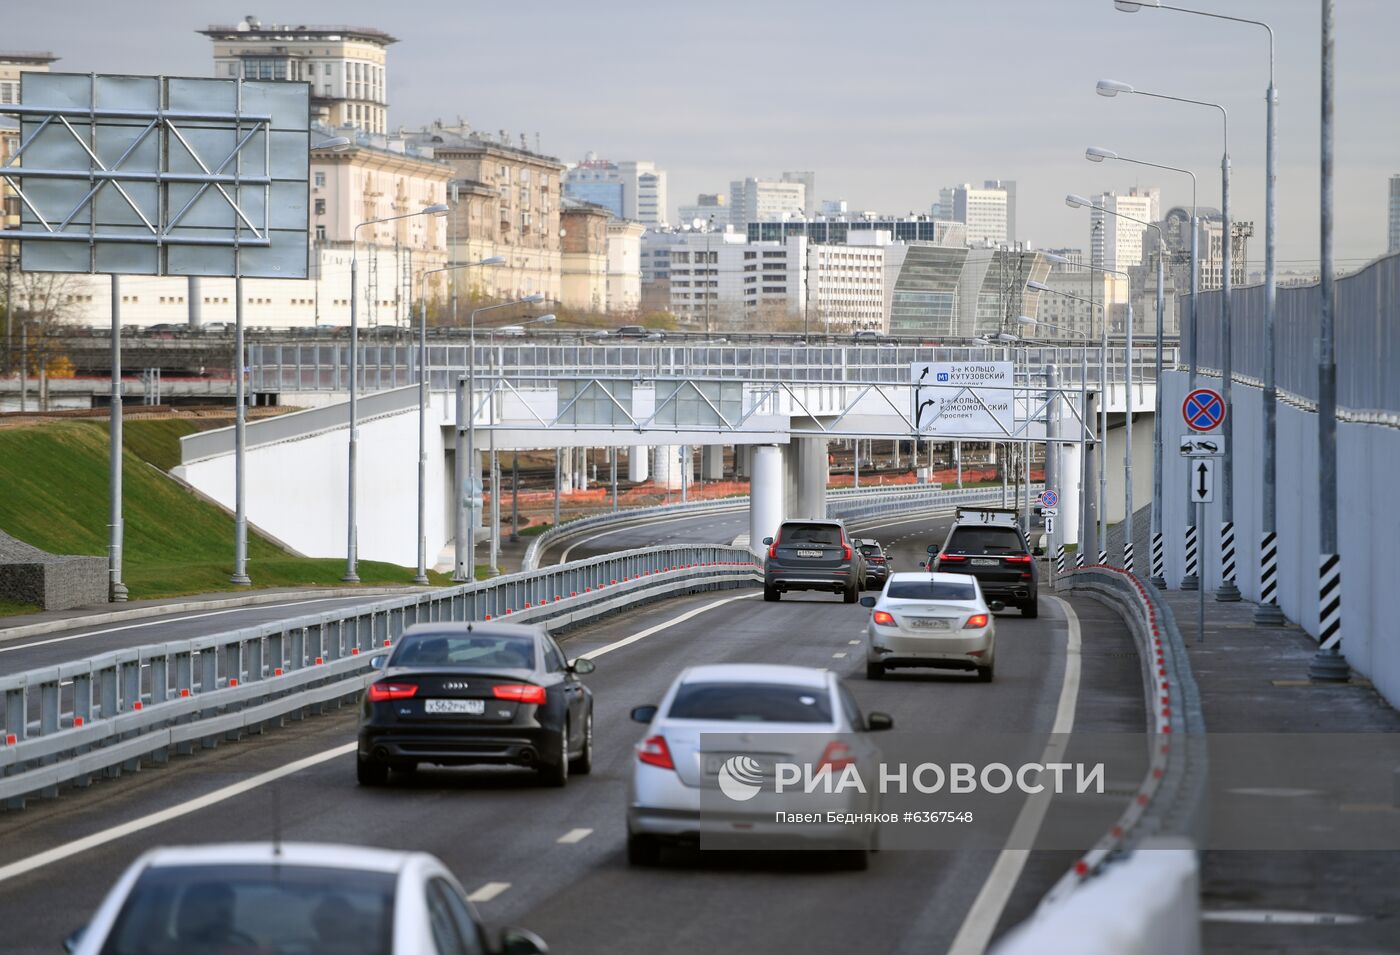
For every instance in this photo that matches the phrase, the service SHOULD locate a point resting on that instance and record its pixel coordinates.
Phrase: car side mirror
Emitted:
(923, 563)
(867, 601)
(582, 666)
(767, 540)
(643, 714)
(932, 549)
(521, 941)
(378, 661)
(876, 722)
(70, 944)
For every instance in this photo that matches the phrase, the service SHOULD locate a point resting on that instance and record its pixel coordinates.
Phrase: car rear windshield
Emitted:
(465, 650)
(870, 550)
(985, 540)
(930, 590)
(826, 534)
(177, 910)
(751, 703)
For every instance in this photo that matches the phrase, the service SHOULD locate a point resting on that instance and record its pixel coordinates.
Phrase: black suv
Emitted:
(812, 555)
(987, 544)
(877, 563)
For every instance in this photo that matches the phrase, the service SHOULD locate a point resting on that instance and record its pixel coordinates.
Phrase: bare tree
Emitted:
(45, 309)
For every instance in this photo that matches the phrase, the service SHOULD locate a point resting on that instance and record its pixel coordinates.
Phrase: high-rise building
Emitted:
(345, 66)
(809, 184)
(1394, 244)
(719, 280)
(1118, 243)
(758, 200)
(631, 189)
(986, 212)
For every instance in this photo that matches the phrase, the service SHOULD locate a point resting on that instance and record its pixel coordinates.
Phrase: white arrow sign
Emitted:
(1202, 479)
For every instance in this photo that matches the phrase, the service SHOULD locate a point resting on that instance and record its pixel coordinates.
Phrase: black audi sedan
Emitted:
(458, 694)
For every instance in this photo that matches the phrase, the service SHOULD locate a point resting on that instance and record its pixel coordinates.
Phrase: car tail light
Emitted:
(773, 549)
(1018, 559)
(379, 692)
(943, 557)
(837, 755)
(846, 550)
(520, 692)
(975, 621)
(654, 752)
(882, 618)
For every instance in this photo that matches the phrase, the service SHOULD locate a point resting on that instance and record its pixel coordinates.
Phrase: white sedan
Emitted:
(930, 620)
(292, 897)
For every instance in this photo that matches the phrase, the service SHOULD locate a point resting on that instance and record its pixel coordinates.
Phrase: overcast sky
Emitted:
(887, 100)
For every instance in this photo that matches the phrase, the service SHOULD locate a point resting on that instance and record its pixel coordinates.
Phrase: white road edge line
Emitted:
(664, 625)
(58, 853)
(488, 891)
(573, 836)
(161, 621)
(982, 917)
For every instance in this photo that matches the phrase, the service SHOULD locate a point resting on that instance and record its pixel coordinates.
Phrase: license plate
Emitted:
(456, 707)
(809, 553)
(928, 623)
(985, 562)
(767, 765)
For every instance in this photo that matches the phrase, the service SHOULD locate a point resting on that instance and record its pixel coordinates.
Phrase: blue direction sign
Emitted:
(1049, 498)
(1203, 410)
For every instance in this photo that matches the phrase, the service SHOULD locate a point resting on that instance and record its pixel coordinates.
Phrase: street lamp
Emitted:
(1267, 612)
(464, 558)
(1189, 581)
(1156, 545)
(422, 576)
(351, 542)
(1228, 591)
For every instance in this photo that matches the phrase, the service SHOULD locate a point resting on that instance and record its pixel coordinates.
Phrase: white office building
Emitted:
(989, 212)
(721, 281)
(760, 200)
(1118, 242)
(630, 189)
(846, 284)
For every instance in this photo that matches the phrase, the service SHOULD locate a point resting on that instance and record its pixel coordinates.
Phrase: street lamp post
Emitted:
(1189, 581)
(422, 575)
(1267, 612)
(465, 547)
(1156, 541)
(1228, 592)
(351, 541)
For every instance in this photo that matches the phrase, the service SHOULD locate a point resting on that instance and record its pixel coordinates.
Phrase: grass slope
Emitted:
(55, 497)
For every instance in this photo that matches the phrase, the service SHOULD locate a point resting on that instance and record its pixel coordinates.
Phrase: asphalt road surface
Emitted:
(554, 860)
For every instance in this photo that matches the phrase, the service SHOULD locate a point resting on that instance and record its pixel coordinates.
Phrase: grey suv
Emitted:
(812, 555)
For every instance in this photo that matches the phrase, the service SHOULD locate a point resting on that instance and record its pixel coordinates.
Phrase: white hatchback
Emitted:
(930, 620)
(292, 897)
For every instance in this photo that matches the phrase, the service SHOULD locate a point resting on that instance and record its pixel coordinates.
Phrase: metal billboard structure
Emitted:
(155, 175)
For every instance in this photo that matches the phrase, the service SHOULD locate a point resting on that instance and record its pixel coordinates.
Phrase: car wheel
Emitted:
(583, 765)
(1031, 608)
(851, 594)
(642, 850)
(557, 774)
(874, 671)
(984, 674)
(371, 773)
(771, 594)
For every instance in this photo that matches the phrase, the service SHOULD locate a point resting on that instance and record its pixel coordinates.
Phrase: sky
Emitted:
(886, 100)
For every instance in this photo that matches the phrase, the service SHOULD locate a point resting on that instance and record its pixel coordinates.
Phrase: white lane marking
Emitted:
(574, 835)
(488, 892)
(664, 625)
(839, 655)
(982, 917)
(854, 643)
(161, 621)
(564, 557)
(58, 853)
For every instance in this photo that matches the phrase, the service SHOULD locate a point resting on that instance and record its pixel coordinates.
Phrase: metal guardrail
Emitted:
(1171, 799)
(67, 723)
(844, 503)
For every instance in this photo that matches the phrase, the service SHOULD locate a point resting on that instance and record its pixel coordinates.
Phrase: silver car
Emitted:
(770, 716)
(930, 620)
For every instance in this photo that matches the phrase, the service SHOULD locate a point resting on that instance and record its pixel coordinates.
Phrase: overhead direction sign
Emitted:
(964, 398)
(1202, 472)
(1195, 446)
(1203, 410)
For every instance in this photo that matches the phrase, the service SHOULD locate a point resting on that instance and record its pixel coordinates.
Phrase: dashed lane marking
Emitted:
(574, 835)
(488, 892)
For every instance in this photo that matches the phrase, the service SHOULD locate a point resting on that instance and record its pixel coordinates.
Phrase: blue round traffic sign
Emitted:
(1203, 410)
(1049, 498)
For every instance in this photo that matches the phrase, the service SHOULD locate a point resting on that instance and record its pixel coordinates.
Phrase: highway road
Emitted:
(553, 860)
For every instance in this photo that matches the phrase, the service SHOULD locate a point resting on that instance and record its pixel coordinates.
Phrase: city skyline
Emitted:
(883, 139)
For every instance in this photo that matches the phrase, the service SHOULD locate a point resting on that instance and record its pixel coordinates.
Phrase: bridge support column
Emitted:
(581, 469)
(712, 462)
(1071, 472)
(668, 466)
(813, 471)
(765, 494)
(743, 455)
(638, 467)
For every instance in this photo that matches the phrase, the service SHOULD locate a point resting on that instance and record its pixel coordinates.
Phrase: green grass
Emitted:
(534, 530)
(10, 608)
(55, 497)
